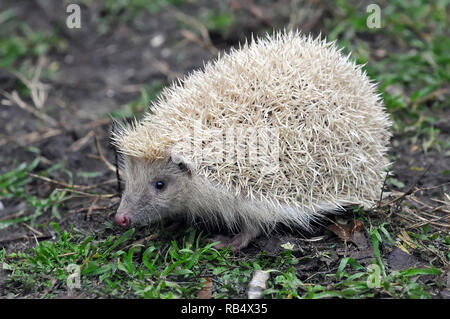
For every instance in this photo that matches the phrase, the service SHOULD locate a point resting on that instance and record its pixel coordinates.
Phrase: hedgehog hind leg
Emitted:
(237, 242)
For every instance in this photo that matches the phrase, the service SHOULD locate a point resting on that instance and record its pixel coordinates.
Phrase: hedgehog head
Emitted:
(158, 193)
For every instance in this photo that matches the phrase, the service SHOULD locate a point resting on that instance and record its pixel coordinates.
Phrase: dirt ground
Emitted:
(98, 74)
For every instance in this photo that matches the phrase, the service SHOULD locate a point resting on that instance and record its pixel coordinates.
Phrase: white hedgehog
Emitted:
(280, 131)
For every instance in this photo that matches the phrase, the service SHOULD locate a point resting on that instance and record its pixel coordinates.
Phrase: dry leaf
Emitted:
(403, 248)
(404, 237)
(206, 291)
(350, 232)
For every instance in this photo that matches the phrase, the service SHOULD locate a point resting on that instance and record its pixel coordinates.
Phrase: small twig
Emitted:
(15, 98)
(34, 237)
(164, 68)
(40, 136)
(312, 22)
(68, 254)
(430, 97)
(254, 10)
(91, 208)
(81, 187)
(104, 160)
(205, 41)
(33, 230)
(87, 194)
(433, 221)
(191, 36)
(27, 82)
(109, 181)
(313, 239)
(409, 191)
(53, 181)
(15, 215)
(81, 142)
(37, 90)
(433, 209)
(31, 137)
(83, 209)
(382, 188)
(142, 240)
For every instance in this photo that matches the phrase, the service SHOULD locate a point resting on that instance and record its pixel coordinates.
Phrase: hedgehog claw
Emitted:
(235, 243)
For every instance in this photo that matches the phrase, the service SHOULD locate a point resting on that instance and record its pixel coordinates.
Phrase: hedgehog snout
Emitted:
(122, 218)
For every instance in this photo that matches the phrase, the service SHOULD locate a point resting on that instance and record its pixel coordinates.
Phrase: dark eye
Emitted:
(159, 185)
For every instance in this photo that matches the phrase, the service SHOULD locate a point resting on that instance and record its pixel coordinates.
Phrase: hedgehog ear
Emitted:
(184, 167)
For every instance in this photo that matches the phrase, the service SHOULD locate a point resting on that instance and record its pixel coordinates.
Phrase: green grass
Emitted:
(177, 268)
(157, 270)
(136, 109)
(16, 185)
(13, 185)
(352, 280)
(19, 41)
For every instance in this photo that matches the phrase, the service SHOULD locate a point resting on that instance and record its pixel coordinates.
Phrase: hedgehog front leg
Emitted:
(235, 243)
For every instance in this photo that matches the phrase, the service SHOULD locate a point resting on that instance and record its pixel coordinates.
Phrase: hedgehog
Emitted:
(280, 131)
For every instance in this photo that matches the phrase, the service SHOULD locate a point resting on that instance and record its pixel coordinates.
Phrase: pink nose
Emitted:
(122, 219)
